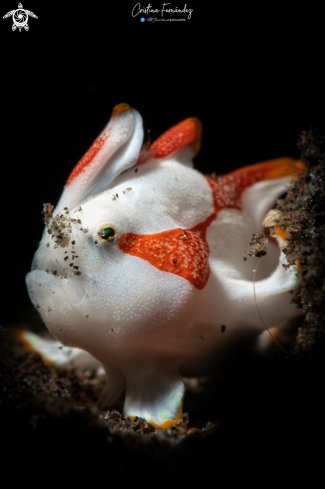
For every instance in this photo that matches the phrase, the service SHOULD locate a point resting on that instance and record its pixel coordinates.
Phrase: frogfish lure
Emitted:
(141, 268)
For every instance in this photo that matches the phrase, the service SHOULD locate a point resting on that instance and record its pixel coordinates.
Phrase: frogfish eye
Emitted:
(107, 233)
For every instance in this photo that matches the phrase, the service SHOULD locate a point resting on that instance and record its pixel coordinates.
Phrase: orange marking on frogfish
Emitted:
(186, 252)
(119, 109)
(227, 189)
(183, 253)
(185, 133)
(167, 424)
(89, 156)
(19, 335)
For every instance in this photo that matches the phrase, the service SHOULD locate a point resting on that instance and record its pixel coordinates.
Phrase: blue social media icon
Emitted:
(142, 19)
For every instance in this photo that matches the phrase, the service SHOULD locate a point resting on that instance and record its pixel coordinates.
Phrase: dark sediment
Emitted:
(254, 416)
(303, 217)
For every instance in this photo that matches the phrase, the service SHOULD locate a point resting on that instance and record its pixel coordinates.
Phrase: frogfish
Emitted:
(140, 267)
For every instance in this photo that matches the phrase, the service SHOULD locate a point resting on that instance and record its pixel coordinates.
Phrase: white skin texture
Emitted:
(144, 325)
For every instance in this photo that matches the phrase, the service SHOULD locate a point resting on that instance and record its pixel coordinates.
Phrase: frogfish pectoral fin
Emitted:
(154, 394)
(53, 352)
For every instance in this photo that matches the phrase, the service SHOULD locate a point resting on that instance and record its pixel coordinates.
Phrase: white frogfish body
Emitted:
(141, 262)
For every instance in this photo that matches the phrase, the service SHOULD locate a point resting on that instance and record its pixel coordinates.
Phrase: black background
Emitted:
(252, 76)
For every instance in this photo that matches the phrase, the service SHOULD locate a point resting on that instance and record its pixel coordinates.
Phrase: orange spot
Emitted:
(119, 109)
(186, 253)
(89, 156)
(278, 231)
(19, 336)
(185, 133)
